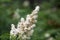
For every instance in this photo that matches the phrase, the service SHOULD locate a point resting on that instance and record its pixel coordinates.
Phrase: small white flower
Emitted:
(24, 37)
(18, 30)
(25, 28)
(27, 22)
(21, 32)
(18, 26)
(37, 8)
(35, 21)
(28, 17)
(13, 32)
(35, 16)
(33, 26)
(13, 26)
(29, 28)
(22, 19)
(47, 35)
(30, 32)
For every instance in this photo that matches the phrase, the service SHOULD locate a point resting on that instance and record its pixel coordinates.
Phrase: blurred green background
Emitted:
(48, 25)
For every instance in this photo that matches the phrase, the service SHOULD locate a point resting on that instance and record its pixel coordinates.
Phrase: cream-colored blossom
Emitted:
(30, 33)
(13, 30)
(25, 28)
(47, 35)
(22, 19)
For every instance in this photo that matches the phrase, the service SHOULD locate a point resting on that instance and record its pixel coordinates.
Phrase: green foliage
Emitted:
(5, 0)
(5, 36)
(48, 20)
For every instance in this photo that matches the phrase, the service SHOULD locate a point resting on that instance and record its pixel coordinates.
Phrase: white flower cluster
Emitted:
(25, 27)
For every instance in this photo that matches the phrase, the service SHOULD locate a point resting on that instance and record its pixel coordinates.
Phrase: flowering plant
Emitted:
(25, 28)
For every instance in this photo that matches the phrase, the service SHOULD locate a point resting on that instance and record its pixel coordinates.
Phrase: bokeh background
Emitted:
(47, 26)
